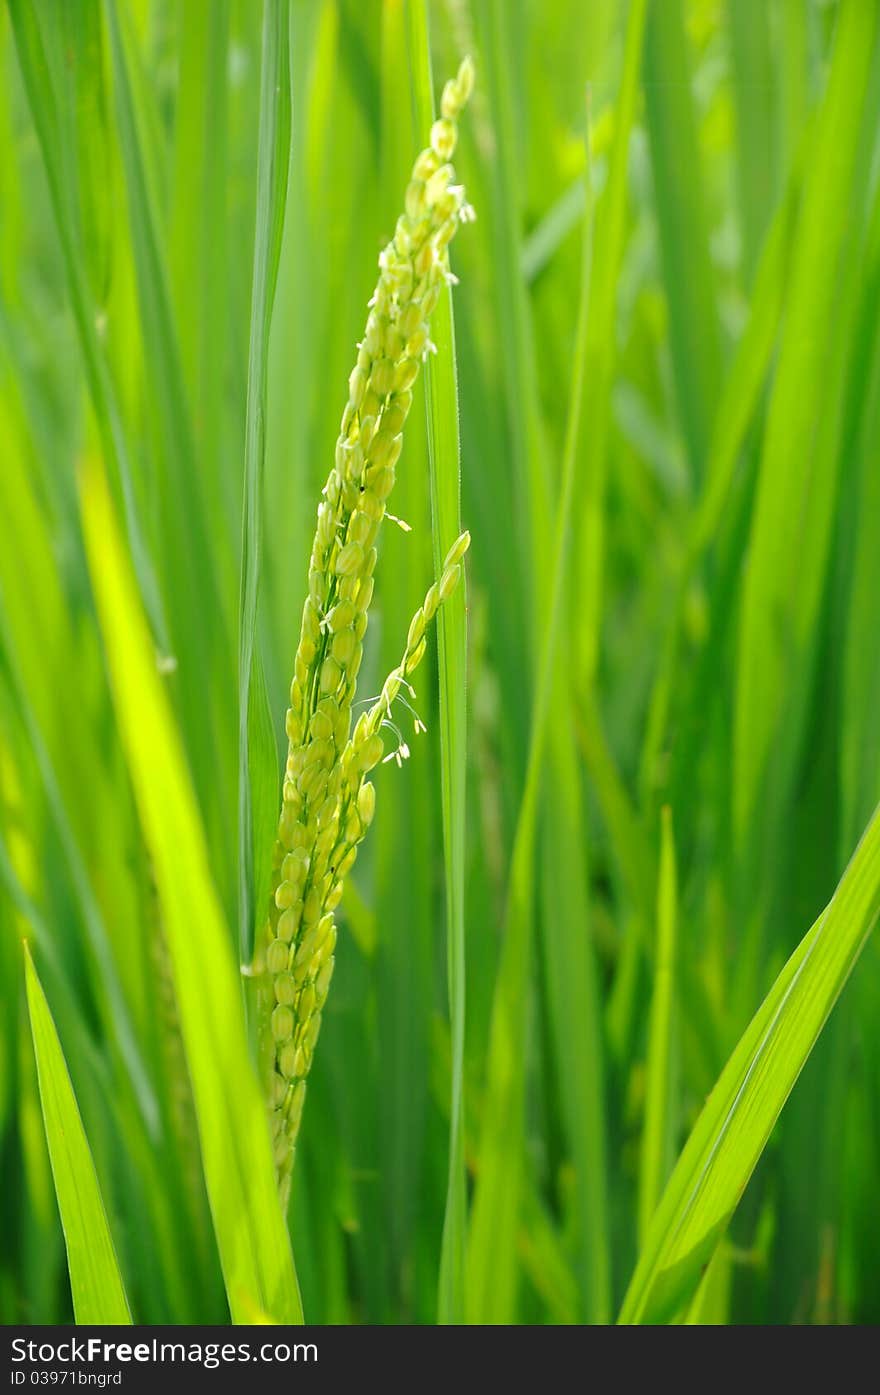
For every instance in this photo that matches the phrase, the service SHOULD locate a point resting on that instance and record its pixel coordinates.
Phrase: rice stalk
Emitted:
(327, 800)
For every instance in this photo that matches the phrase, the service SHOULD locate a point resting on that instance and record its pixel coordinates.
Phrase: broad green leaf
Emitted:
(95, 1280)
(732, 1131)
(232, 1118)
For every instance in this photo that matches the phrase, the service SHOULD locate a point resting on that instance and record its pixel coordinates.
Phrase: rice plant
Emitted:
(328, 803)
(581, 1060)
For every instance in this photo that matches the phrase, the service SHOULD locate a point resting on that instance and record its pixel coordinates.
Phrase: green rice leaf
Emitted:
(444, 453)
(197, 617)
(110, 994)
(860, 740)
(732, 1131)
(657, 1137)
(757, 129)
(50, 117)
(601, 351)
(257, 751)
(95, 1280)
(694, 336)
(233, 1129)
(562, 847)
(491, 1262)
(793, 512)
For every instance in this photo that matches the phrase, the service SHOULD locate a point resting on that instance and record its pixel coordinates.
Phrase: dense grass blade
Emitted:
(788, 548)
(257, 753)
(233, 1130)
(531, 483)
(48, 118)
(684, 239)
(199, 617)
(80, 53)
(103, 942)
(109, 989)
(601, 351)
(544, 240)
(206, 264)
(574, 1013)
(632, 850)
(444, 454)
(737, 1121)
(795, 95)
(491, 1248)
(545, 1261)
(658, 1132)
(757, 127)
(511, 1047)
(405, 837)
(746, 377)
(95, 1280)
(860, 738)
(562, 849)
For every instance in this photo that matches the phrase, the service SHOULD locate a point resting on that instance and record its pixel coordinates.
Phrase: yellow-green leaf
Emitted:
(236, 1154)
(95, 1281)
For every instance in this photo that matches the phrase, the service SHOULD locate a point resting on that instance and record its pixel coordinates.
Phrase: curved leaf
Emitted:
(233, 1130)
(731, 1132)
(95, 1281)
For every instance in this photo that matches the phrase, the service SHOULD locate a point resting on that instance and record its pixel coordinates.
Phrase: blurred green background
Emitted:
(718, 655)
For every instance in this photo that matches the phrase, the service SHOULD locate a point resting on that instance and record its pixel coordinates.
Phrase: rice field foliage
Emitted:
(603, 1037)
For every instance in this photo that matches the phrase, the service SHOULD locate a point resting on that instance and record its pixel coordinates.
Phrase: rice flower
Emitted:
(327, 800)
